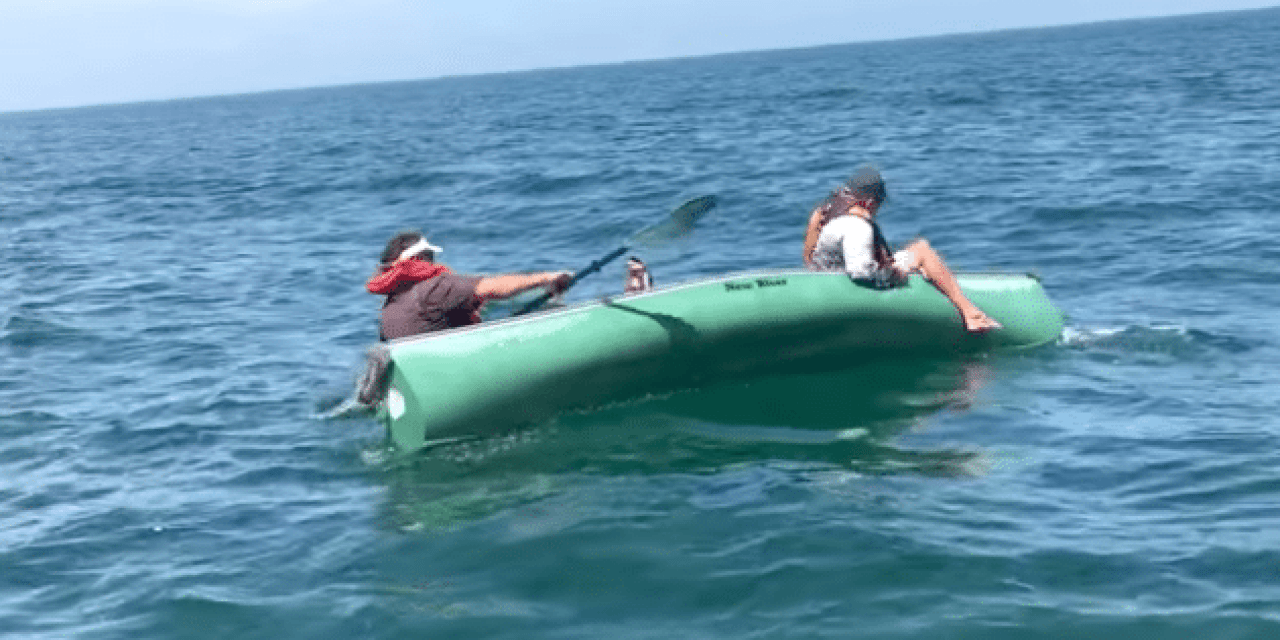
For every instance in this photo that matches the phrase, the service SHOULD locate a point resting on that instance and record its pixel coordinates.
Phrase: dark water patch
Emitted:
(168, 189)
(963, 96)
(418, 180)
(20, 455)
(141, 237)
(219, 613)
(279, 474)
(321, 188)
(1112, 215)
(1210, 488)
(1258, 568)
(873, 393)
(1209, 273)
(831, 94)
(340, 150)
(1150, 486)
(707, 447)
(190, 354)
(26, 332)
(137, 288)
(680, 107)
(156, 435)
(31, 419)
(1141, 170)
(250, 396)
(545, 184)
(1074, 215)
(110, 184)
(194, 616)
(158, 331)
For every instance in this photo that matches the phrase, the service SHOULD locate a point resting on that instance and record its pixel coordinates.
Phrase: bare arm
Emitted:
(811, 236)
(507, 285)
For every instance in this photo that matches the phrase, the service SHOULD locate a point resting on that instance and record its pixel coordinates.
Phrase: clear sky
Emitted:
(57, 53)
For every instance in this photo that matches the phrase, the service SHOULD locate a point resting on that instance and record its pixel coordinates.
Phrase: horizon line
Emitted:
(616, 63)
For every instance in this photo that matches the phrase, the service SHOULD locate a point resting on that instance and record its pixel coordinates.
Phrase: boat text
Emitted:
(758, 282)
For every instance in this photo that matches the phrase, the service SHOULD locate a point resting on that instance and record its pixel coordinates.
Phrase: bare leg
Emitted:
(930, 265)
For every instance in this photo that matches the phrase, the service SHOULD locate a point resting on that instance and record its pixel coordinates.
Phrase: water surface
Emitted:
(183, 304)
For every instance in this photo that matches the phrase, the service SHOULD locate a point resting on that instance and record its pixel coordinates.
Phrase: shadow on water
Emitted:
(846, 419)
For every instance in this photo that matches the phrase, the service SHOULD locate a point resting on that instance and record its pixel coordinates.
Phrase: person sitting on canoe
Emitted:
(424, 296)
(843, 235)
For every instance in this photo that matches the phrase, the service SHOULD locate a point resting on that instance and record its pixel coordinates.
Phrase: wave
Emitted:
(341, 408)
(1165, 339)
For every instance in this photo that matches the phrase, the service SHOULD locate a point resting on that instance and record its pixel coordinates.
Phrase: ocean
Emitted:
(183, 315)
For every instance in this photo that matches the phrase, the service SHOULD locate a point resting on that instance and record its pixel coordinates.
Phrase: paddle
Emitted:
(678, 224)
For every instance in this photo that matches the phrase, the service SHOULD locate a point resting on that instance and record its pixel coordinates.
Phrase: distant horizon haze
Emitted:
(74, 53)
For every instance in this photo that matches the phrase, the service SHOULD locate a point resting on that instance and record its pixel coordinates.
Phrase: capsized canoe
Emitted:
(477, 379)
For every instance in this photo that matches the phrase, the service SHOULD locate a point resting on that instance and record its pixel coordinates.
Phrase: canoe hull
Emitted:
(482, 378)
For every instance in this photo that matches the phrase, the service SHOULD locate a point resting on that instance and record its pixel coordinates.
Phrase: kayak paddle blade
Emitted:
(677, 225)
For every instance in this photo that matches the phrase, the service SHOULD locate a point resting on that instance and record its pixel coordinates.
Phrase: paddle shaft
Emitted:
(679, 223)
(590, 269)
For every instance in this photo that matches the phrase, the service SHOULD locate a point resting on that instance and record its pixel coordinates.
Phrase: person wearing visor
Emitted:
(843, 236)
(638, 278)
(423, 296)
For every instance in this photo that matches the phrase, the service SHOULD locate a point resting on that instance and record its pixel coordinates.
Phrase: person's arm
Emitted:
(811, 236)
(507, 285)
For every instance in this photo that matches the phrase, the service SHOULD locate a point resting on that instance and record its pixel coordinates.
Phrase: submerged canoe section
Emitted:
(477, 379)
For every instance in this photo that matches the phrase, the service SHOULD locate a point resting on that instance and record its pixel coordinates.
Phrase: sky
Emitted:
(65, 53)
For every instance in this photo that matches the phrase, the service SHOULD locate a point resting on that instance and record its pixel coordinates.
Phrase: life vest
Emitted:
(390, 278)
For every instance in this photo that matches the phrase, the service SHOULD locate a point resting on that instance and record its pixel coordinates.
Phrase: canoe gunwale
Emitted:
(583, 305)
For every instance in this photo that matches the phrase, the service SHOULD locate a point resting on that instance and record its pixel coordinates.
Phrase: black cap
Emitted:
(866, 184)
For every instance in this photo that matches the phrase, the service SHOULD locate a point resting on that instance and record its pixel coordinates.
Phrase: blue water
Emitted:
(183, 310)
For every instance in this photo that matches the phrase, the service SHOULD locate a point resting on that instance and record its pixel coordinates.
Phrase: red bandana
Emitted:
(406, 271)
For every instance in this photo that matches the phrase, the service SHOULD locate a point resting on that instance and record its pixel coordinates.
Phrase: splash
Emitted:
(1161, 339)
(341, 408)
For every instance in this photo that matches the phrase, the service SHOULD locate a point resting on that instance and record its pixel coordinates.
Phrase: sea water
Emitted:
(183, 310)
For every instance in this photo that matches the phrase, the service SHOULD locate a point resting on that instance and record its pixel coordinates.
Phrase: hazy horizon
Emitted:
(77, 53)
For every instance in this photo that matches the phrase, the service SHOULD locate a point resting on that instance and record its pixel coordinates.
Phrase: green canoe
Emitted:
(485, 377)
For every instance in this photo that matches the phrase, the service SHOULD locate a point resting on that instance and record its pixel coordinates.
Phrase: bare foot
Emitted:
(979, 322)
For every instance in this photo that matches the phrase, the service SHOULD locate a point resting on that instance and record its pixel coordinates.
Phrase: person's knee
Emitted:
(922, 249)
